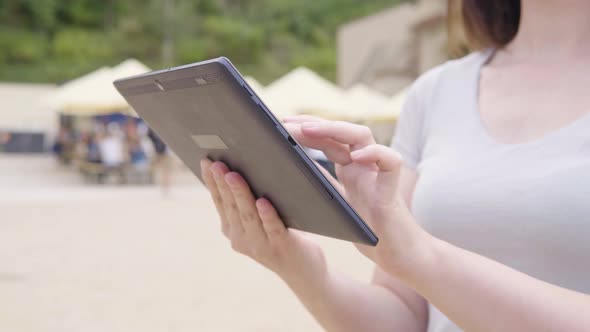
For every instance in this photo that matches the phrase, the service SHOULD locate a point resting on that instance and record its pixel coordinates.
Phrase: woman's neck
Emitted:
(552, 30)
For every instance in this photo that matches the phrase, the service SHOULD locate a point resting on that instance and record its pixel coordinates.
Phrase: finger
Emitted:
(336, 152)
(387, 160)
(271, 222)
(229, 205)
(246, 206)
(356, 136)
(302, 118)
(214, 192)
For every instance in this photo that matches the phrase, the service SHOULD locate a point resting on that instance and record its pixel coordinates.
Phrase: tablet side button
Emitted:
(247, 90)
(263, 111)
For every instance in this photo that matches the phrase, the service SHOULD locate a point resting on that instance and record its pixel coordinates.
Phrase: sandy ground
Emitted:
(88, 258)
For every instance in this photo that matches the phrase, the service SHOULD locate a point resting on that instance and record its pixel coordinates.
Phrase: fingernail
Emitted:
(231, 180)
(216, 172)
(263, 206)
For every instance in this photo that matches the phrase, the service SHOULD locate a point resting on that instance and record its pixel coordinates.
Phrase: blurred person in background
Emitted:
(112, 150)
(137, 155)
(139, 170)
(162, 162)
(64, 144)
(144, 140)
(4, 139)
(484, 224)
(81, 146)
(92, 150)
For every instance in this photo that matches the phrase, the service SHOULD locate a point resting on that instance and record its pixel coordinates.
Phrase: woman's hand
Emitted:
(255, 229)
(369, 174)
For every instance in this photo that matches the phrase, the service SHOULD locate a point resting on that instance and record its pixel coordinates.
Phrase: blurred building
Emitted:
(387, 51)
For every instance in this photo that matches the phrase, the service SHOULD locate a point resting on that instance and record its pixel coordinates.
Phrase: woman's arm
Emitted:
(479, 294)
(414, 301)
(343, 304)
(384, 305)
(482, 295)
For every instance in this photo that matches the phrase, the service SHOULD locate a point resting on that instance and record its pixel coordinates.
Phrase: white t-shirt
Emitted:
(112, 151)
(524, 205)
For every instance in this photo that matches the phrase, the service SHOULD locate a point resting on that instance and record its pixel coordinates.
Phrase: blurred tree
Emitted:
(19, 45)
(79, 45)
(43, 14)
(56, 40)
(83, 13)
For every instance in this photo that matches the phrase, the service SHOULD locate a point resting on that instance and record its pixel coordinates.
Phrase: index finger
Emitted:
(336, 152)
(214, 192)
(246, 205)
(300, 118)
(356, 136)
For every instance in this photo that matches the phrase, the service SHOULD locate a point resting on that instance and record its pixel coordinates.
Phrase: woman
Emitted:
(484, 226)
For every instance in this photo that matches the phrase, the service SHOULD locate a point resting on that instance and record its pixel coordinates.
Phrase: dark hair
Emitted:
(490, 23)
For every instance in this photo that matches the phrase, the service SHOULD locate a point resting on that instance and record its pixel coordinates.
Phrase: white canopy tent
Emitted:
(94, 92)
(79, 90)
(372, 104)
(363, 95)
(303, 91)
(255, 85)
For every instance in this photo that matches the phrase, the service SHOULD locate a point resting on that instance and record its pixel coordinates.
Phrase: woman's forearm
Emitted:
(340, 303)
(479, 294)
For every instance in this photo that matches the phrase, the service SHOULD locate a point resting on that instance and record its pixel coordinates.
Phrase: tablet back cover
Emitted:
(206, 110)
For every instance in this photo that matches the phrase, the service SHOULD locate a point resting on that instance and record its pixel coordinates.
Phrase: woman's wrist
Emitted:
(418, 260)
(300, 268)
(411, 250)
(306, 279)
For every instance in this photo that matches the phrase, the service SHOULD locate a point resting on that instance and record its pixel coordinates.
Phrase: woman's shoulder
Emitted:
(443, 84)
(449, 71)
(439, 86)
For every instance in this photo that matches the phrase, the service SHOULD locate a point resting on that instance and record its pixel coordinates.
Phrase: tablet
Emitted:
(207, 110)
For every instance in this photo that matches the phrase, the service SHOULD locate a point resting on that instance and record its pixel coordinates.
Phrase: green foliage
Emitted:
(56, 40)
(83, 13)
(190, 51)
(42, 13)
(223, 35)
(78, 45)
(17, 45)
(320, 60)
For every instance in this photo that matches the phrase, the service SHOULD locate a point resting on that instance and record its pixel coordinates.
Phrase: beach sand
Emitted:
(75, 257)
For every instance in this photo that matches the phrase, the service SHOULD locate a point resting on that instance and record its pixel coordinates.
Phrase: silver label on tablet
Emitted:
(209, 142)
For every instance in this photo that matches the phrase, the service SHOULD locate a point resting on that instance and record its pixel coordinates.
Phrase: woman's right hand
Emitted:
(255, 229)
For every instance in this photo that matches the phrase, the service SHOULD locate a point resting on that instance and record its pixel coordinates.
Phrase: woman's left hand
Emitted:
(369, 174)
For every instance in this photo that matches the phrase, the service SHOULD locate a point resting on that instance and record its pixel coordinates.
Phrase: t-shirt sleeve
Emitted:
(406, 140)
(409, 135)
